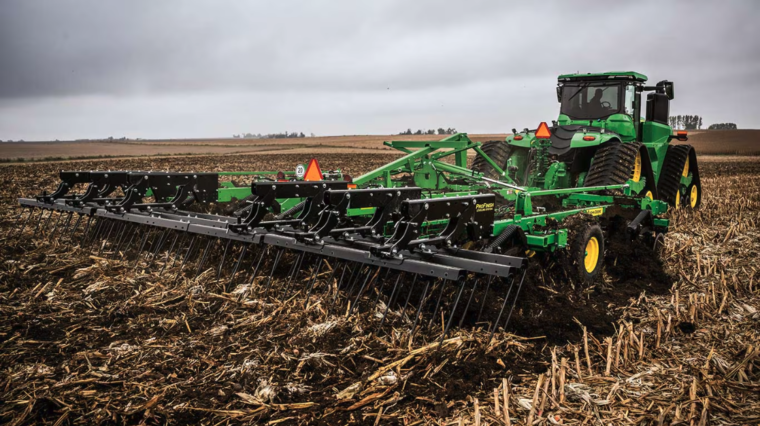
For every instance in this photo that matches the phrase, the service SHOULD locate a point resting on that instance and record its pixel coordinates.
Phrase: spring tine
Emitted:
(469, 300)
(417, 314)
(388, 306)
(31, 212)
(95, 231)
(221, 264)
(68, 222)
(361, 290)
(485, 296)
(313, 280)
(382, 287)
(437, 304)
(463, 280)
(294, 269)
(108, 235)
(498, 318)
(39, 220)
(168, 254)
(122, 232)
(47, 221)
(57, 222)
(342, 274)
(203, 258)
(353, 283)
(237, 264)
(158, 245)
(75, 227)
(258, 264)
(17, 220)
(406, 302)
(179, 249)
(142, 246)
(86, 229)
(274, 267)
(187, 255)
(514, 301)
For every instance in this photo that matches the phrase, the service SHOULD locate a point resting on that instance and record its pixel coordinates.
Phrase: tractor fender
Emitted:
(525, 142)
(646, 168)
(578, 140)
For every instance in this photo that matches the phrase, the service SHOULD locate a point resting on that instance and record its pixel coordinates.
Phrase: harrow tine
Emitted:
(469, 300)
(498, 318)
(122, 232)
(313, 279)
(108, 235)
(337, 290)
(179, 249)
(47, 221)
(75, 227)
(417, 314)
(187, 256)
(437, 304)
(337, 286)
(388, 306)
(463, 280)
(293, 273)
(353, 283)
(31, 212)
(332, 275)
(221, 264)
(361, 290)
(86, 229)
(408, 296)
(57, 222)
(169, 253)
(66, 226)
(274, 267)
(39, 220)
(237, 264)
(158, 245)
(142, 247)
(203, 258)
(16, 222)
(485, 296)
(258, 265)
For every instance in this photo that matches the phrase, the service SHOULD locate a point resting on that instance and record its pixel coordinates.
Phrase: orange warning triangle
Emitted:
(313, 173)
(543, 131)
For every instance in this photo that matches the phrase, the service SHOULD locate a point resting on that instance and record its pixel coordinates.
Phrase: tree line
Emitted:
(284, 135)
(722, 126)
(685, 122)
(440, 131)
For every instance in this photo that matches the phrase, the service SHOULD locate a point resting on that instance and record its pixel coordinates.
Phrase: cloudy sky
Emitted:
(172, 69)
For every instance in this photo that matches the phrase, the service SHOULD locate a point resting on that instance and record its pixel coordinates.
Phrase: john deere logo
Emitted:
(485, 207)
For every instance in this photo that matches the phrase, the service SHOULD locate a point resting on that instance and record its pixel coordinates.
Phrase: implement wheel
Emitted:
(588, 252)
(694, 191)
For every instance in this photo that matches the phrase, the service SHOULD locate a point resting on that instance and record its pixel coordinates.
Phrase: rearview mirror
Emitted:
(559, 93)
(666, 87)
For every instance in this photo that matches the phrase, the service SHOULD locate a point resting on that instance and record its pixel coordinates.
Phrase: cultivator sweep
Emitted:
(421, 241)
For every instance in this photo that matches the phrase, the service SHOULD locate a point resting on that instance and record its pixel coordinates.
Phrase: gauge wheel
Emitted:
(588, 252)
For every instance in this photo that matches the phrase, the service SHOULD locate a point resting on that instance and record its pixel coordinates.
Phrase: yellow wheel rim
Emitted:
(693, 196)
(592, 255)
(678, 199)
(637, 168)
(650, 195)
(685, 172)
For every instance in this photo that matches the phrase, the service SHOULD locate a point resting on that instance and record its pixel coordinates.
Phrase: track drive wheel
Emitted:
(587, 251)
(498, 151)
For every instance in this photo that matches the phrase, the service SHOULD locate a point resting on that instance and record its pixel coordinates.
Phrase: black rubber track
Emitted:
(670, 178)
(612, 164)
(498, 151)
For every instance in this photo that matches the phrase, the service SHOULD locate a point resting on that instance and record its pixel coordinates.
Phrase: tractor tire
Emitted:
(498, 151)
(669, 185)
(613, 164)
(587, 253)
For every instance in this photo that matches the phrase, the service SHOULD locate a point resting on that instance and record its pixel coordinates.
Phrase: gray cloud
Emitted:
(210, 68)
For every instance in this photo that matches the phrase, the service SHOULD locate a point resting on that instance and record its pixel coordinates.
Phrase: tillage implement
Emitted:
(426, 240)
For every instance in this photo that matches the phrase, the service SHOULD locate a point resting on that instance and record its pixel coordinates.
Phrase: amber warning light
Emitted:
(543, 131)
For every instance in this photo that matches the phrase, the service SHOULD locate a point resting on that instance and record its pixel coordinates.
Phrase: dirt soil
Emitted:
(88, 336)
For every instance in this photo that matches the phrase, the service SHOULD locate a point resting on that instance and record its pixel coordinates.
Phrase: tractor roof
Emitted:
(612, 75)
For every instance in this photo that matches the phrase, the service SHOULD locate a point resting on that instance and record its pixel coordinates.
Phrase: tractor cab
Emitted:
(612, 101)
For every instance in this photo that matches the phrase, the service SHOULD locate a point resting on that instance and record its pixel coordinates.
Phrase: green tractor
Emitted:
(601, 138)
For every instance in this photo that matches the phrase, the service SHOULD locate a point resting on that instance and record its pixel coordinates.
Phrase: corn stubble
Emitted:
(88, 337)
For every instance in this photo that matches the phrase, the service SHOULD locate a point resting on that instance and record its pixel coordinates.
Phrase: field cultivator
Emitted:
(423, 240)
